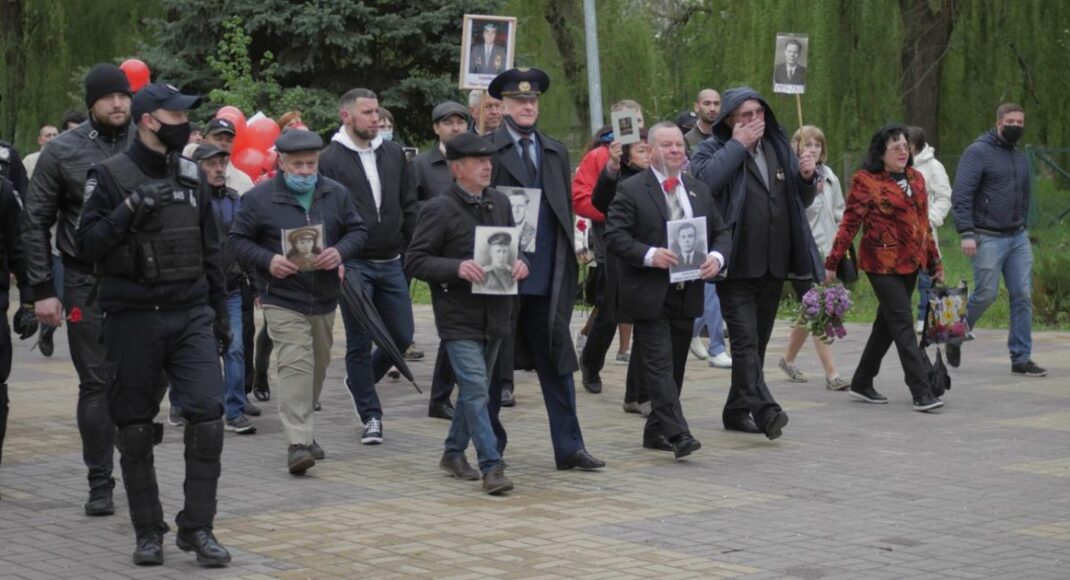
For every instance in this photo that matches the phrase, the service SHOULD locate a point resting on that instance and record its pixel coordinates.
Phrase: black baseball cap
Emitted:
(208, 151)
(156, 96)
(221, 126)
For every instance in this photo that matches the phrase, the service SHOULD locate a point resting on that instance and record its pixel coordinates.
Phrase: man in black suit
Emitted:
(762, 191)
(663, 312)
(790, 72)
(525, 157)
(487, 57)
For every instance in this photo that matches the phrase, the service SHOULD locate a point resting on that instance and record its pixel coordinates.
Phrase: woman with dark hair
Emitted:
(888, 201)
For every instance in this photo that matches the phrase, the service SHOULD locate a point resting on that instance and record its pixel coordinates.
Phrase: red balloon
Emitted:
(234, 115)
(270, 158)
(261, 134)
(250, 161)
(137, 73)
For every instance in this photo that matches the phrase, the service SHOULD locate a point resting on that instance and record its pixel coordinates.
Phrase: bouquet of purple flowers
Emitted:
(822, 311)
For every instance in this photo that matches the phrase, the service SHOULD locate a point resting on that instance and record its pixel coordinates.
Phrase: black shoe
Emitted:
(1026, 369)
(210, 553)
(317, 452)
(581, 460)
(743, 424)
(657, 442)
(685, 445)
(457, 465)
(45, 342)
(440, 410)
(317, 407)
(300, 459)
(507, 398)
(867, 394)
(149, 550)
(927, 403)
(251, 409)
(262, 392)
(591, 381)
(774, 428)
(954, 354)
(100, 502)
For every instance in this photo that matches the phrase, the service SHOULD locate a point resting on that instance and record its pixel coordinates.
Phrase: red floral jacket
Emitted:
(896, 238)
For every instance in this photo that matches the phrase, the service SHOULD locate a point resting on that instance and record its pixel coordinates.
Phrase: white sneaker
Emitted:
(919, 326)
(721, 361)
(699, 349)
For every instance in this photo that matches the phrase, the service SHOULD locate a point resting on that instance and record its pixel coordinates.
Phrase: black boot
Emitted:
(98, 447)
(149, 550)
(139, 477)
(3, 418)
(100, 499)
(210, 553)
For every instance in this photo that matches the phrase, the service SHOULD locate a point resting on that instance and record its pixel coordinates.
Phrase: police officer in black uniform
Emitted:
(149, 229)
(55, 198)
(11, 262)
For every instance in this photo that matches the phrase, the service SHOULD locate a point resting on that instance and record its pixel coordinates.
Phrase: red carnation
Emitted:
(75, 315)
(581, 225)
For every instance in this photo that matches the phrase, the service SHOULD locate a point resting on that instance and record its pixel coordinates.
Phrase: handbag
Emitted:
(939, 379)
(945, 322)
(847, 271)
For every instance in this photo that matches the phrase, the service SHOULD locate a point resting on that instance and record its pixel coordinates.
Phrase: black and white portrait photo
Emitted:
(687, 239)
(525, 203)
(302, 245)
(496, 251)
(789, 72)
(486, 49)
(625, 126)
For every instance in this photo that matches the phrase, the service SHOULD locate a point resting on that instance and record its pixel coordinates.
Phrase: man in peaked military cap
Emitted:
(472, 326)
(528, 158)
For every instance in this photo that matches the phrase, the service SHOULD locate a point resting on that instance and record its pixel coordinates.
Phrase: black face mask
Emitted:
(1012, 133)
(174, 137)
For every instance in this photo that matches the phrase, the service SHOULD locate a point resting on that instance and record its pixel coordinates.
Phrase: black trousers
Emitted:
(443, 380)
(603, 329)
(749, 309)
(262, 358)
(894, 323)
(248, 332)
(147, 349)
(88, 352)
(5, 368)
(664, 342)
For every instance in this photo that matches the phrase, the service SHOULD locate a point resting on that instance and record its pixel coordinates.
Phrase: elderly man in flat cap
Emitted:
(527, 158)
(298, 305)
(471, 326)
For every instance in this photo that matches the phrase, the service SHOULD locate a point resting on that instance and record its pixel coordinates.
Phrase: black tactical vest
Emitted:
(164, 243)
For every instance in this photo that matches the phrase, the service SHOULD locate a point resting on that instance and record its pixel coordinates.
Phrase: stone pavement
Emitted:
(978, 490)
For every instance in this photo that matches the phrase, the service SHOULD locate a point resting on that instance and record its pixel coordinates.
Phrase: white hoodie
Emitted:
(367, 159)
(937, 185)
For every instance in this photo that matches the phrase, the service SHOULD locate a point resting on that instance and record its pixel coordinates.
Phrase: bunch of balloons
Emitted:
(254, 144)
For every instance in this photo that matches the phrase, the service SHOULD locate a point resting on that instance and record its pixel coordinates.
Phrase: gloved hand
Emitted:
(221, 327)
(151, 195)
(24, 323)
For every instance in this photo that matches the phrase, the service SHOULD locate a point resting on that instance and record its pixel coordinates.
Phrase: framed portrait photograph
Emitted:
(496, 251)
(687, 239)
(410, 153)
(302, 245)
(625, 126)
(525, 203)
(789, 65)
(487, 49)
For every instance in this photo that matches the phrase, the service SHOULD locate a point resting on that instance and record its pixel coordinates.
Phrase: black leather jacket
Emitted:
(56, 194)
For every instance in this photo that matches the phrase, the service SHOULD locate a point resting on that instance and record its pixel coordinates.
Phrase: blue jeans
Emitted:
(1011, 257)
(234, 362)
(473, 364)
(925, 283)
(385, 284)
(711, 319)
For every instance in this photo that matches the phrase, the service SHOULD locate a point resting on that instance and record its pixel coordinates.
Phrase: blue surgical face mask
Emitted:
(387, 135)
(301, 183)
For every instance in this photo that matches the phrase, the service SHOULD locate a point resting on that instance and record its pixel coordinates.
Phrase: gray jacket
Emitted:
(991, 191)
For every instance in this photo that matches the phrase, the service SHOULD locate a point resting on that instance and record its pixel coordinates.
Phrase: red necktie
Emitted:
(670, 184)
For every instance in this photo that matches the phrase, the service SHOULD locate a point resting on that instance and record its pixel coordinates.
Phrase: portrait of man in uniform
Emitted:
(496, 251)
(303, 245)
(486, 49)
(525, 203)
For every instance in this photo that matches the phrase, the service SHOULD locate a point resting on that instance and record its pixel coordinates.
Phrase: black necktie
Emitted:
(526, 153)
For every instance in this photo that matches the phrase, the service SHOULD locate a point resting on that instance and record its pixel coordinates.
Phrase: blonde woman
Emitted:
(824, 216)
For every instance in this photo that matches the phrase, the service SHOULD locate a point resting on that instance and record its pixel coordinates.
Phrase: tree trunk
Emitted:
(927, 26)
(563, 16)
(11, 85)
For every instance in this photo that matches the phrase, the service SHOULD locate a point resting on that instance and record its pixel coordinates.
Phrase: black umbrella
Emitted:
(362, 308)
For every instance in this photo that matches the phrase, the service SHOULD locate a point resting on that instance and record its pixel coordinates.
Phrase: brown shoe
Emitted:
(495, 482)
(300, 459)
(456, 464)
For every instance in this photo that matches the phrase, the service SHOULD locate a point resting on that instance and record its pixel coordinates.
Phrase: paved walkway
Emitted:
(979, 490)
